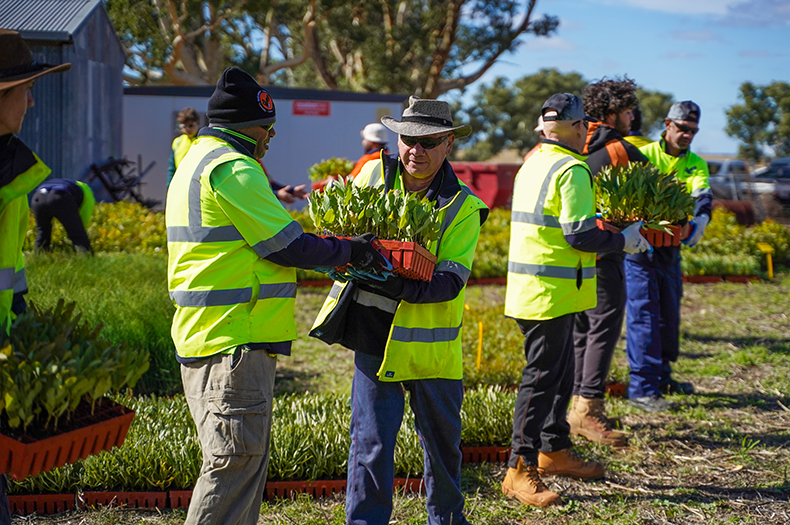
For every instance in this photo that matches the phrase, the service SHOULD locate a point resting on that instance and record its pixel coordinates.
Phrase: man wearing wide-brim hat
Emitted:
(406, 334)
(20, 172)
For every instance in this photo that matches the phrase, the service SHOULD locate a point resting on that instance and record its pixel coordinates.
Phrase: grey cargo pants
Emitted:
(230, 398)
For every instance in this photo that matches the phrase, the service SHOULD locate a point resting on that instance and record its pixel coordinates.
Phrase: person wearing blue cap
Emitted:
(654, 283)
(551, 276)
(232, 250)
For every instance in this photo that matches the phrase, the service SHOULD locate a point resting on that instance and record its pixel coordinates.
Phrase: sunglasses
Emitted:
(425, 142)
(268, 127)
(686, 129)
(189, 125)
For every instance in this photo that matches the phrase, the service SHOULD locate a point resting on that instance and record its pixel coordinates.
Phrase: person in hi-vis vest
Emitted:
(20, 172)
(551, 276)
(406, 334)
(232, 249)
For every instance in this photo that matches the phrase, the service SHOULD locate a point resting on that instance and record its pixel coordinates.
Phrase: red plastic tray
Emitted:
(409, 259)
(20, 460)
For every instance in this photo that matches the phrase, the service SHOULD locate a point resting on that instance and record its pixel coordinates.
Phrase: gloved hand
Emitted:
(634, 242)
(392, 286)
(698, 225)
(366, 258)
(333, 274)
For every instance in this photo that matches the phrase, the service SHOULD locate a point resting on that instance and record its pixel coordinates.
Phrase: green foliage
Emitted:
(492, 246)
(114, 227)
(127, 293)
(640, 192)
(761, 121)
(335, 167)
(504, 113)
(345, 209)
(310, 440)
(52, 361)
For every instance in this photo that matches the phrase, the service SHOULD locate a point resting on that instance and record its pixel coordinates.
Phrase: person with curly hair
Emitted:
(596, 330)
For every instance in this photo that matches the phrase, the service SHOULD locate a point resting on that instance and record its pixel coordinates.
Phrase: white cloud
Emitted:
(759, 13)
(682, 55)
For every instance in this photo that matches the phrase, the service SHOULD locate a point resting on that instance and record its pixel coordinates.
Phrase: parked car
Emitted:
(729, 180)
(778, 172)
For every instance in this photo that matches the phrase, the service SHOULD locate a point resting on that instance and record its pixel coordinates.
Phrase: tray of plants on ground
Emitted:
(403, 223)
(640, 192)
(55, 373)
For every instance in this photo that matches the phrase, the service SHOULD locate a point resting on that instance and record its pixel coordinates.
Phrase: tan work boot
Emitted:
(588, 419)
(567, 462)
(524, 484)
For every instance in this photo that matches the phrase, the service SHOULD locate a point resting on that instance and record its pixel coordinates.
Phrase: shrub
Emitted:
(335, 167)
(52, 361)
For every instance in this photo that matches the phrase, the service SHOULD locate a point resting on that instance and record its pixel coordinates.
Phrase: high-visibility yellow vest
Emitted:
(552, 197)
(88, 203)
(689, 168)
(425, 339)
(181, 145)
(225, 292)
(14, 213)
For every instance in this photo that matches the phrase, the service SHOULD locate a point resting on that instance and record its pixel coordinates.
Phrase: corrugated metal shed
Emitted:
(76, 120)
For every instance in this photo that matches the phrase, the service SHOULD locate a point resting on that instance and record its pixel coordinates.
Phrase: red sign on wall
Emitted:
(315, 108)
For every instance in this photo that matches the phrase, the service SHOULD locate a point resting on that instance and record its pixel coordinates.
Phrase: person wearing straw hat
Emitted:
(406, 334)
(20, 172)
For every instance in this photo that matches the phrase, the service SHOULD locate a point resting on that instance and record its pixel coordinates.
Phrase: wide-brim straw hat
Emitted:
(16, 62)
(426, 117)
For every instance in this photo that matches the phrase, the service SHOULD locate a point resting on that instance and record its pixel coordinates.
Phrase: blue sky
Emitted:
(701, 50)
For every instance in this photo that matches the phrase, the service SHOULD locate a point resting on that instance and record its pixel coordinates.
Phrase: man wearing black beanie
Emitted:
(232, 253)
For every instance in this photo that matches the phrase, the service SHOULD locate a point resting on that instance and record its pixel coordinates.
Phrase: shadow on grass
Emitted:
(289, 381)
(713, 400)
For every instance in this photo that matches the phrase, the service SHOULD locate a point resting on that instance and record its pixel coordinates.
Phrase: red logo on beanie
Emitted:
(265, 101)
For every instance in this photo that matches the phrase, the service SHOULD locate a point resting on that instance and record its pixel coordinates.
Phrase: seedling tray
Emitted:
(20, 458)
(409, 259)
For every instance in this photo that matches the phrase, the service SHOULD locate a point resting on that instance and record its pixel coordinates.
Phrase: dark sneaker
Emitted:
(675, 387)
(654, 403)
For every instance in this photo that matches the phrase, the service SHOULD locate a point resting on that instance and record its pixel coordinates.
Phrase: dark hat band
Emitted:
(33, 67)
(422, 120)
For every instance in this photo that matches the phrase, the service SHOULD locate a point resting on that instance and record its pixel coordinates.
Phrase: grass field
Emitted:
(721, 456)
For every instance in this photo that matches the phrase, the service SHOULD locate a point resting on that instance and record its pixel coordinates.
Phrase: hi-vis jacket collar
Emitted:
(241, 143)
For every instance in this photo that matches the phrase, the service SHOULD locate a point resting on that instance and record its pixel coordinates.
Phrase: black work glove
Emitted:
(365, 258)
(391, 286)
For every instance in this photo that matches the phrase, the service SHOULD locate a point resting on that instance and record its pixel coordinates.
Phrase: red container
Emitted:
(316, 489)
(603, 225)
(41, 504)
(616, 390)
(179, 499)
(492, 183)
(409, 259)
(485, 454)
(660, 238)
(705, 278)
(137, 500)
(22, 459)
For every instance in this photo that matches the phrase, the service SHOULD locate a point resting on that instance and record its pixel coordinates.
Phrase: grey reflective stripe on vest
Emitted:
(204, 298)
(452, 213)
(425, 335)
(525, 217)
(196, 232)
(334, 293)
(7, 278)
(542, 270)
(277, 291)
(201, 234)
(573, 228)
(20, 281)
(544, 188)
(279, 241)
(453, 267)
(373, 300)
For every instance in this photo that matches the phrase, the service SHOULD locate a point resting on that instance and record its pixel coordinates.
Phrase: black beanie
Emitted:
(239, 102)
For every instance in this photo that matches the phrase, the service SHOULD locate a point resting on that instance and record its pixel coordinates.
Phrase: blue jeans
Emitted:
(653, 324)
(376, 416)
